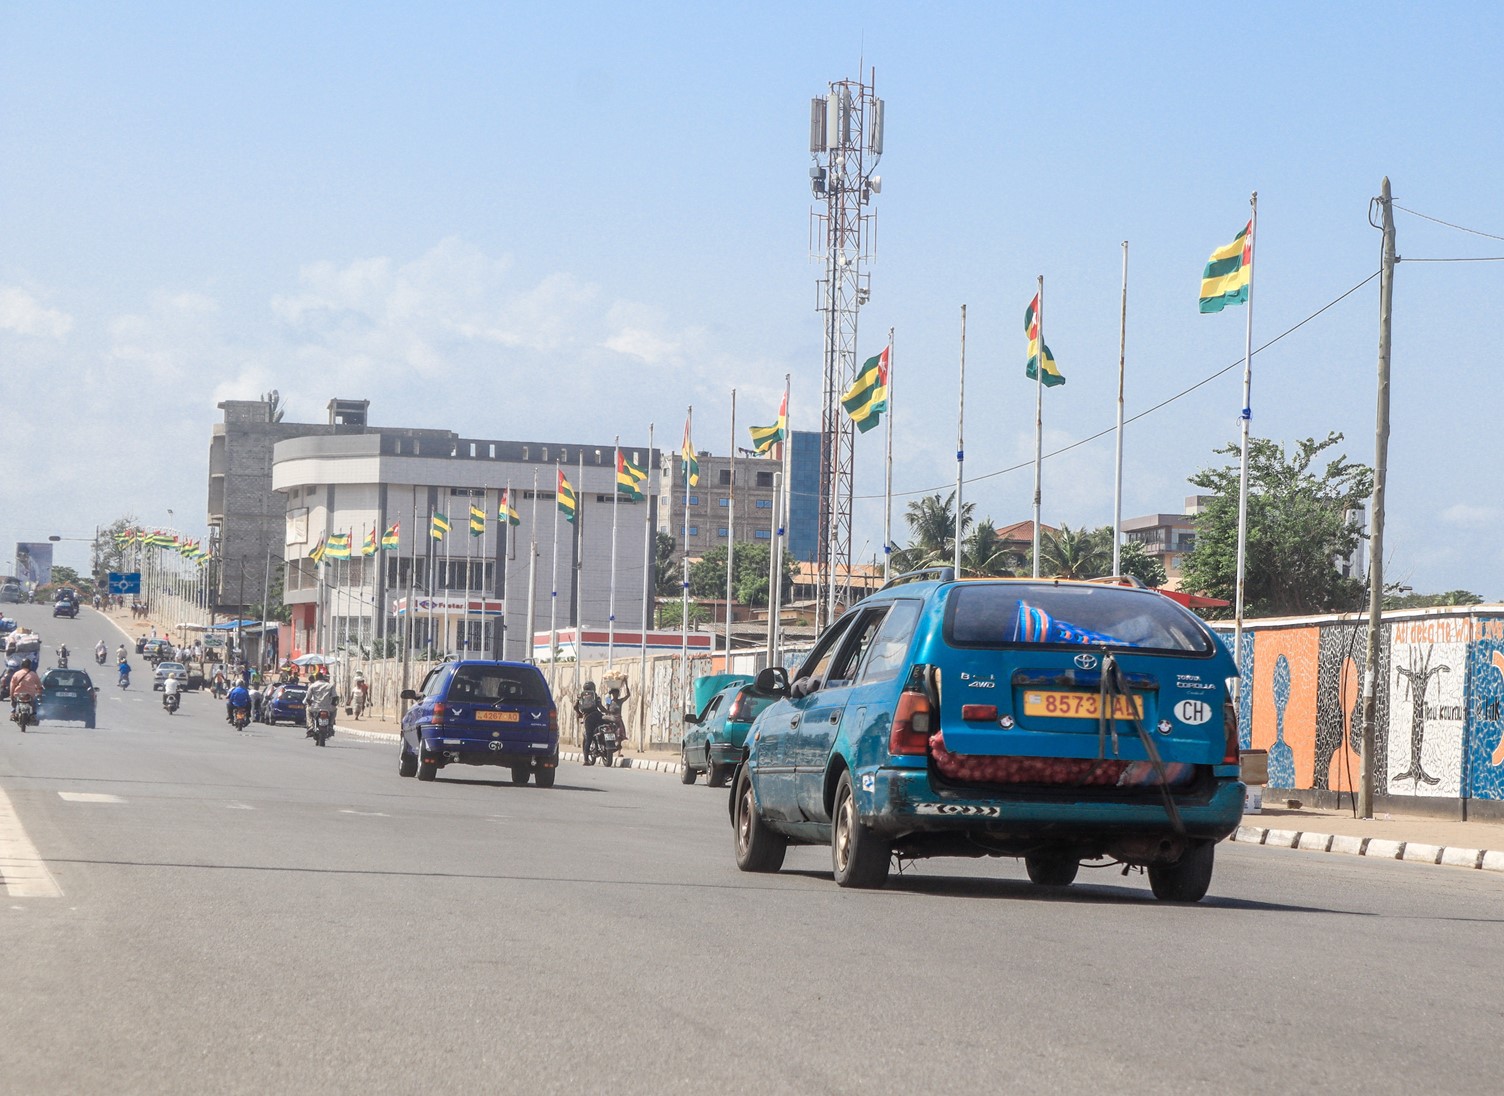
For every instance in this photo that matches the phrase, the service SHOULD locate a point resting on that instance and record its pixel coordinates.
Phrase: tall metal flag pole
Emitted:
(530, 652)
(649, 573)
(508, 552)
(960, 442)
(553, 597)
(1245, 418)
(786, 518)
(412, 580)
(684, 553)
(1117, 488)
(448, 584)
(730, 530)
(1376, 532)
(578, 540)
(774, 556)
(888, 473)
(1038, 419)
(465, 608)
(611, 607)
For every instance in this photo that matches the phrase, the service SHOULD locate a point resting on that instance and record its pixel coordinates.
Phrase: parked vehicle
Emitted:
(481, 713)
(1055, 721)
(11, 592)
(155, 650)
(68, 695)
(715, 739)
(323, 727)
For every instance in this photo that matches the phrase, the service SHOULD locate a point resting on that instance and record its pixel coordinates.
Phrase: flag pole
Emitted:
(611, 609)
(649, 574)
(412, 578)
(553, 597)
(730, 532)
(684, 552)
(508, 550)
(960, 441)
(774, 557)
(1117, 489)
(577, 540)
(1244, 419)
(530, 652)
(783, 516)
(888, 473)
(1038, 417)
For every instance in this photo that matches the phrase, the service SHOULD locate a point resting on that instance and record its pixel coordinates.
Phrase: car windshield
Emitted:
(489, 684)
(1050, 614)
(293, 692)
(66, 679)
(170, 668)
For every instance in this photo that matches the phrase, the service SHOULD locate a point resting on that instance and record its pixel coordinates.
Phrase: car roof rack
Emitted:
(927, 574)
(1119, 580)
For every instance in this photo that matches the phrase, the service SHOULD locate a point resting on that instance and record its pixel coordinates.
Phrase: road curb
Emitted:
(1413, 852)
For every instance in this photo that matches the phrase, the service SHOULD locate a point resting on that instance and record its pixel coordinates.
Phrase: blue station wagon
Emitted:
(1056, 721)
(481, 713)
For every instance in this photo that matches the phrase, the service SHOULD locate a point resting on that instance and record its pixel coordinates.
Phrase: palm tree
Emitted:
(1074, 553)
(932, 532)
(982, 553)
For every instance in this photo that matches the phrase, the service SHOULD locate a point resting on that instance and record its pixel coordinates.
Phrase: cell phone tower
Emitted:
(845, 145)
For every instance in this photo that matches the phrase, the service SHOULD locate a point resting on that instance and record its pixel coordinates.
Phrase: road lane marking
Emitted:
(239, 807)
(365, 814)
(90, 797)
(23, 872)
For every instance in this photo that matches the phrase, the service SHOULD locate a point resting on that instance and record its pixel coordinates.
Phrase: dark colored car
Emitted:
(286, 703)
(65, 607)
(715, 740)
(481, 713)
(1055, 721)
(68, 695)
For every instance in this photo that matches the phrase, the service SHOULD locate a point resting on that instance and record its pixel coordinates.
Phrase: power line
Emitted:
(1149, 410)
(1449, 224)
(1474, 259)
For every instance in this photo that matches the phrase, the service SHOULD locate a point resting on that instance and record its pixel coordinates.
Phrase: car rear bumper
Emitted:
(519, 750)
(898, 802)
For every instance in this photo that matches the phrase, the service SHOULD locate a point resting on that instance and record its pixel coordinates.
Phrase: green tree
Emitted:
(982, 553)
(1298, 528)
(749, 583)
(1136, 561)
(1405, 598)
(1074, 553)
(932, 532)
(666, 578)
(668, 613)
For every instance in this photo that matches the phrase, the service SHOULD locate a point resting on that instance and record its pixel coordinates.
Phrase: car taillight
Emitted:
(911, 724)
(1230, 722)
(985, 713)
(438, 714)
(734, 715)
(553, 720)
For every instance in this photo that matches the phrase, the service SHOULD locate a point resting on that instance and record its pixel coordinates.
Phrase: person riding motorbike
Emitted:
(238, 697)
(171, 687)
(588, 707)
(62, 656)
(24, 683)
(119, 652)
(320, 697)
(101, 652)
(124, 670)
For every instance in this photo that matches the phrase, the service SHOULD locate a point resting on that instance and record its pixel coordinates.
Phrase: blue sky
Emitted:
(515, 223)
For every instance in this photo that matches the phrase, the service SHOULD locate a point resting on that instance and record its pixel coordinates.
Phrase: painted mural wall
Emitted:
(1439, 701)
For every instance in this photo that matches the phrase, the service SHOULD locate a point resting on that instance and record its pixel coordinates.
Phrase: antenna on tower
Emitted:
(845, 144)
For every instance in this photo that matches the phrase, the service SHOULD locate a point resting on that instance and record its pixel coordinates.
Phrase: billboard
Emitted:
(34, 563)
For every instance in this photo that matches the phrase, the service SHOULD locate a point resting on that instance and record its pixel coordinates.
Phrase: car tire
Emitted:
(88, 724)
(715, 776)
(519, 775)
(758, 848)
(427, 771)
(859, 858)
(1188, 878)
(407, 762)
(545, 777)
(687, 772)
(1052, 869)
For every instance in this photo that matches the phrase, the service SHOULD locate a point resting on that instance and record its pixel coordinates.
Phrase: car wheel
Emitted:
(1188, 878)
(687, 772)
(545, 777)
(1052, 869)
(427, 770)
(407, 762)
(859, 857)
(715, 776)
(758, 848)
(519, 775)
(88, 724)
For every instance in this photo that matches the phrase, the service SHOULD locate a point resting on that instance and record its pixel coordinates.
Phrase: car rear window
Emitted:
(506, 684)
(1048, 614)
(65, 679)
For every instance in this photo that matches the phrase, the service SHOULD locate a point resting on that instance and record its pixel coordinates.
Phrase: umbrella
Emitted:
(312, 660)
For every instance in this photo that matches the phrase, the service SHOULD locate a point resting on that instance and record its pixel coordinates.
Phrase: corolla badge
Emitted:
(1086, 662)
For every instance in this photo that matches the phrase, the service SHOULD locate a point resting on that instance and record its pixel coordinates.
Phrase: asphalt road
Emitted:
(246, 913)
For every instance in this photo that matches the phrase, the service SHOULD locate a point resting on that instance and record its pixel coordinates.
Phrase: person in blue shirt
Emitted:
(239, 697)
(125, 671)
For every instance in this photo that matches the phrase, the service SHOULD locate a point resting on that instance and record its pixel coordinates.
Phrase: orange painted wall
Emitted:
(1301, 648)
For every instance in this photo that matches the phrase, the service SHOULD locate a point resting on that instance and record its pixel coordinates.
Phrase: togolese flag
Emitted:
(1052, 374)
(765, 437)
(566, 498)
(317, 555)
(687, 457)
(477, 521)
(505, 511)
(392, 538)
(867, 398)
(438, 526)
(1225, 279)
(629, 477)
(338, 546)
(368, 546)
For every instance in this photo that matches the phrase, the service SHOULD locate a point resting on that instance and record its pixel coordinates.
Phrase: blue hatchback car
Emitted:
(1052, 720)
(482, 713)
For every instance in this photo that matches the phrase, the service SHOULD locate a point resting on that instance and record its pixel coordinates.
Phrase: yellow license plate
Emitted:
(498, 717)
(1058, 704)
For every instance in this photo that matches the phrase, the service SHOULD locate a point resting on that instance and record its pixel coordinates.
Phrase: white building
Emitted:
(459, 590)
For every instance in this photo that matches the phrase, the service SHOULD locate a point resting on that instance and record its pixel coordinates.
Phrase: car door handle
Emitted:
(835, 716)
(794, 722)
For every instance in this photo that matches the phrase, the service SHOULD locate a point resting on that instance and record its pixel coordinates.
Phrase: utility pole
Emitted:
(1376, 534)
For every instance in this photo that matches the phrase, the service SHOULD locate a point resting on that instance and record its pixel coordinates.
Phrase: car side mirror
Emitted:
(690, 717)
(772, 681)
(408, 694)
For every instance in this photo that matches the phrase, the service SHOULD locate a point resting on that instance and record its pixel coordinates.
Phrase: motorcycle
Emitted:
(62, 660)
(170, 701)
(100, 655)
(125, 679)
(608, 740)
(323, 726)
(241, 717)
(25, 714)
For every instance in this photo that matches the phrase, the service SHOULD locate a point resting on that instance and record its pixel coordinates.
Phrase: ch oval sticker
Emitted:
(1193, 712)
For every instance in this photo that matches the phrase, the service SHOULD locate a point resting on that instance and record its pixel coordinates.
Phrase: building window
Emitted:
(721, 532)
(694, 500)
(694, 530)
(725, 477)
(765, 479)
(723, 503)
(763, 534)
(764, 504)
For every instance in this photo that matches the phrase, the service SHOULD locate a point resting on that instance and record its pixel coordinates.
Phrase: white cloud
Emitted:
(25, 315)
(1469, 516)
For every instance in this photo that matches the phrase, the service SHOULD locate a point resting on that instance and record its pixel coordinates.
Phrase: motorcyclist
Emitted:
(124, 670)
(588, 707)
(320, 697)
(612, 707)
(62, 656)
(101, 652)
(24, 683)
(119, 652)
(238, 697)
(171, 687)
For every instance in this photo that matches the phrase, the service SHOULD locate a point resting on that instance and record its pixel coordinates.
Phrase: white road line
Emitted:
(366, 814)
(239, 807)
(23, 872)
(89, 797)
